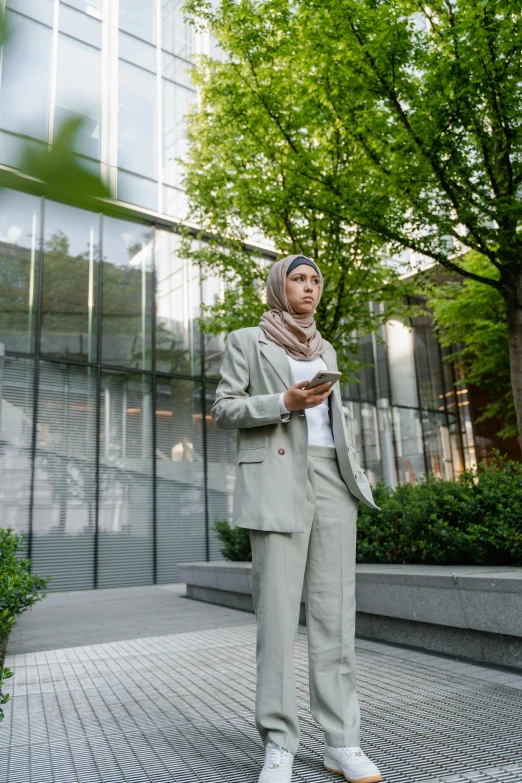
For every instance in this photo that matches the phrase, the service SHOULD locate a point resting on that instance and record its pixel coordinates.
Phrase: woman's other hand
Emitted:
(296, 398)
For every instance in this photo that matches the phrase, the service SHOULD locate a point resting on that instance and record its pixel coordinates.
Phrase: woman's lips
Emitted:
(308, 299)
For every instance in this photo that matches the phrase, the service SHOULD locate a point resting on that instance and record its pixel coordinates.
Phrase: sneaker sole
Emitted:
(367, 779)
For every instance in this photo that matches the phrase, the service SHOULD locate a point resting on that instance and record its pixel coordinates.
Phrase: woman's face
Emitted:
(303, 287)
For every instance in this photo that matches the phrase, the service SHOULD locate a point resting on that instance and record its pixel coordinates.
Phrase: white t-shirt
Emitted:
(318, 420)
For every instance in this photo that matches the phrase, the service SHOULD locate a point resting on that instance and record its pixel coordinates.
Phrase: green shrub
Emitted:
(19, 591)
(475, 519)
(235, 541)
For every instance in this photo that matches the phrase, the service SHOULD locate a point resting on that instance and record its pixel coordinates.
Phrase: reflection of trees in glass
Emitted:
(69, 299)
(17, 282)
(70, 479)
(127, 306)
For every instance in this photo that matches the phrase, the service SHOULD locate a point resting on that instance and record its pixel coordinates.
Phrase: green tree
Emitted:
(243, 177)
(394, 122)
(472, 316)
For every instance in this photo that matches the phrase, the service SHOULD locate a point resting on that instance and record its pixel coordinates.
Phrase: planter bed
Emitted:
(473, 612)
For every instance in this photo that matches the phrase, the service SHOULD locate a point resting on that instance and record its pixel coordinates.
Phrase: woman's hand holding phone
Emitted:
(298, 397)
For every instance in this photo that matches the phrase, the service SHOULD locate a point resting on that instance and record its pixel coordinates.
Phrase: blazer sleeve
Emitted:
(233, 407)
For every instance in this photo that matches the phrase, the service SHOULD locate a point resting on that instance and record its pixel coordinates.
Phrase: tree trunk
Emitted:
(513, 302)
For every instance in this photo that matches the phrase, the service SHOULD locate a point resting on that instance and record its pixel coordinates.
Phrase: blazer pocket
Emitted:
(251, 455)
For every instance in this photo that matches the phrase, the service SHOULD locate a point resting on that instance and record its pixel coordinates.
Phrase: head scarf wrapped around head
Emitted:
(295, 332)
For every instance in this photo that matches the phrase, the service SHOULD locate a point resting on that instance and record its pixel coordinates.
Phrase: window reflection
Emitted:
(212, 289)
(180, 483)
(177, 35)
(78, 92)
(408, 444)
(90, 7)
(137, 120)
(16, 434)
(437, 444)
(41, 10)
(128, 250)
(26, 62)
(221, 473)
(402, 365)
(139, 18)
(84, 27)
(177, 306)
(176, 102)
(372, 450)
(137, 52)
(19, 243)
(64, 511)
(70, 282)
(126, 485)
(427, 356)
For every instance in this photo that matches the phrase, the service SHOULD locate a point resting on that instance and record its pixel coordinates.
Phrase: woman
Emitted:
(298, 488)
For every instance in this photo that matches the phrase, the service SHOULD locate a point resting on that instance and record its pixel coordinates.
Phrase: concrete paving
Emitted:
(176, 705)
(79, 617)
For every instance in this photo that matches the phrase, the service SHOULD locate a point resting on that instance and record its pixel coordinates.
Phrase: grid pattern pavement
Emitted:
(179, 708)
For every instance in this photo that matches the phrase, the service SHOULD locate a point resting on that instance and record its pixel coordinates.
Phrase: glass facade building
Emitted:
(110, 461)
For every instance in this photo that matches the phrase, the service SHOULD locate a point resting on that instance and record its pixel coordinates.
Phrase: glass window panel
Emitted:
(64, 509)
(78, 92)
(177, 307)
(367, 373)
(19, 244)
(221, 473)
(127, 293)
(137, 190)
(137, 120)
(175, 203)
(70, 282)
(13, 147)
(381, 369)
(179, 476)
(428, 364)
(437, 444)
(176, 102)
(371, 444)
(139, 18)
(178, 36)
(41, 10)
(408, 444)
(402, 365)
(176, 70)
(85, 27)
(91, 7)
(125, 554)
(212, 288)
(137, 52)
(24, 93)
(16, 434)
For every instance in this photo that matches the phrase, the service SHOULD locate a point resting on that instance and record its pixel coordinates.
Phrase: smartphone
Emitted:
(322, 377)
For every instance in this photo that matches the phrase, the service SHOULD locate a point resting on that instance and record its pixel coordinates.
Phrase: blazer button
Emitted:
(280, 451)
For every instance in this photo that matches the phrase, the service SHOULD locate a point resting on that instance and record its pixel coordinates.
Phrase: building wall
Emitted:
(111, 464)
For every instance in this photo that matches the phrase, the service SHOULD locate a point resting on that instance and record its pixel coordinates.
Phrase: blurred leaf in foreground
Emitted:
(58, 173)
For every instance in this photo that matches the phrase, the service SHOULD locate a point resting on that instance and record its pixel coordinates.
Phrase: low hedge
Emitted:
(475, 519)
(19, 591)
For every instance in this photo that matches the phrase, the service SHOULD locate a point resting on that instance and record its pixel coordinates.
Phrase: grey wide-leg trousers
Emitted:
(323, 559)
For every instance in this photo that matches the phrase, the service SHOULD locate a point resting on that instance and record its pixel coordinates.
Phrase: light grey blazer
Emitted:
(271, 477)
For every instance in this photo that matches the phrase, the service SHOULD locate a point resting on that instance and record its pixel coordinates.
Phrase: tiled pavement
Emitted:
(178, 708)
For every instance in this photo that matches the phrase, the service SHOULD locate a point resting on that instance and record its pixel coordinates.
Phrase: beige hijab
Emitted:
(295, 332)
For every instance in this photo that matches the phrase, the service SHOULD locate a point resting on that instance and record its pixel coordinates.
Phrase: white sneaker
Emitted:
(278, 765)
(351, 762)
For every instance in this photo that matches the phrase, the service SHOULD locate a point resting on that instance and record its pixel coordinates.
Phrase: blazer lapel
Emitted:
(277, 357)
